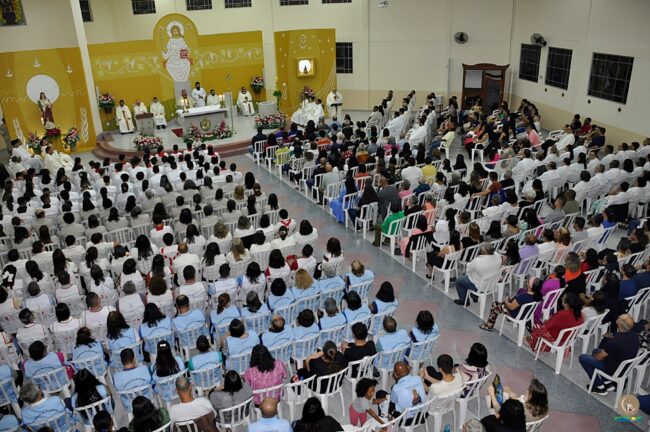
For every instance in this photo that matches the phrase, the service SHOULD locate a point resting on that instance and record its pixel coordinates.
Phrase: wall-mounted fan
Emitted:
(461, 37)
(538, 39)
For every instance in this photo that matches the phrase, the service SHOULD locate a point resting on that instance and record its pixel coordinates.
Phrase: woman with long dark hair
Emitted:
(235, 391)
(87, 391)
(146, 417)
(264, 372)
(569, 316)
(120, 335)
(167, 363)
(326, 362)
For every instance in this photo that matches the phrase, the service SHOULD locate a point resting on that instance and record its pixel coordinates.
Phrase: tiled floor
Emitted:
(571, 407)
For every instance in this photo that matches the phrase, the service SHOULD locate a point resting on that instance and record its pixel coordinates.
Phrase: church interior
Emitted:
(93, 85)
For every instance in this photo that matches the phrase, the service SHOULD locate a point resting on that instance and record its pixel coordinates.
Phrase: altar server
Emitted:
(334, 103)
(213, 99)
(124, 119)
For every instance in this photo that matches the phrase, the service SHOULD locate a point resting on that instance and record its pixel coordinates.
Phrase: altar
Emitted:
(205, 118)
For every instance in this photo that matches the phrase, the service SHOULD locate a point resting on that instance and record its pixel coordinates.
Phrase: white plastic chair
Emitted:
(9, 395)
(59, 423)
(535, 426)
(591, 328)
(386, 360)
(367, 216)
(364, 369)
(288, 312)
(619, 377)
(565, 341)
(420, 352)
(438, 407)
(87, 413)
(54, 381)
(233, 417)
(471, 390)
(95, 365)
(523, 316)
(65, 341)
(362, 288)
(549, 303)
(377, 320)
(395, 227)
(449, 266)
(304, 347)
(282, 352)
(638, 302)
(417, 415)
(334, 334)
(276, 392)
(239, 362)
(187, 339)
(206, 378)
(487, 286)
(331, 385)
(151, 342)
(258, 323)
(166, 388)
(311, 302)
(127, 396)
(297, 393)
(640, 368)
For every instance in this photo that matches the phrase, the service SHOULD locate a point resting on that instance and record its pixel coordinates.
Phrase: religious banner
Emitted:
(12, 13)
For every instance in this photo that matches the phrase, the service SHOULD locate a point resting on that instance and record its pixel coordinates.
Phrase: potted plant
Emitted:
(257, 84)
(106, 102)
(34, 143)
(70, 139)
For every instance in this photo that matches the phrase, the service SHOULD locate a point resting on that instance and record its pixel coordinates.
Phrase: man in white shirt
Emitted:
(30, 331)
(411, 173)
(185, 259)
(417, 134)
(29, 161)
(485, 265)
(198, 95)
(549, 179)
(96, 314)
(567, 138)
(158, 231)
(245, 102)
(189, 408)
(596, 228)
(190, 287)
(139, 108)
(375, 118)
(523, 167)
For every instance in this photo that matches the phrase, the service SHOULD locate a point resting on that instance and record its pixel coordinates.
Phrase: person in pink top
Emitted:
(265, 372)
(554, 282)
(533, 136)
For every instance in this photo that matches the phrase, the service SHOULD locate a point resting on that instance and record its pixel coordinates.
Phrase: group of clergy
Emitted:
(199, 98)
(312, 108)
(22, 159)
(124, 118)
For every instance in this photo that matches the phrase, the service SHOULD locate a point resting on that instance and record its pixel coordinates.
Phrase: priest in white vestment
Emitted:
(417, 134)
(299, 117)
(55, 160)
(396, 124)
(334, 102)
(245, 102)
(158, 111)
(198, 95)
(124, 119)
(139, 108)
(316, 112)
(20, 150)
(184, 102)
(213, 99)
(375, 117)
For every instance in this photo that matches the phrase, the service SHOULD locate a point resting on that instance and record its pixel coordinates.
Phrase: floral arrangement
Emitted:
(71, 138)
(195, 134)
(257, 84)
(106, 101)
(144, 143)
(53, 132)
(272, 121)
(308, 92)
(34, 143)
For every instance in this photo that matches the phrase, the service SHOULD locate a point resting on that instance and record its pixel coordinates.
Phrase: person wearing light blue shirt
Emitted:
(359, 274)
(277, 334)
(305, 286)
(270, 421)
(132, 376)
(254, 306)
(6, 374)
(239, 340)
(188, 319)
(331, 280)
(38, 408)
(356, 310)
(280, 296)
(154, 322)
(121, 336)
(89, 350)
(41, 362)
(224, 313)
(332, 317)
(385, 299)
(393, 339)
(205, 358)
(101, 390)
(425, 327)
(306, 328)
(405, 385)
(8, 422)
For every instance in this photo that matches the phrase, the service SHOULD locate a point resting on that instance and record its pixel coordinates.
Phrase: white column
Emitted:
(80, 32)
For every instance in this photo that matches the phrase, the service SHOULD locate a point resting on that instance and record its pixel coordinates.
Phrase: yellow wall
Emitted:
(71, 109)
(319, 44)
(134, 70)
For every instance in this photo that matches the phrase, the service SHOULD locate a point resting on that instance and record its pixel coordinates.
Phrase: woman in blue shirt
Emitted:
(120, 336)
(86, 346)
(88, 390)
(225, 312)
(385, 299)
(359, 274)
(425, 327)
(280, 296)
(304, 285)
(205, 357)
(167, 363)
(356, 309)
(306, 327)
(254, 306)
(154, 324)
(238, 340)
(332, 317)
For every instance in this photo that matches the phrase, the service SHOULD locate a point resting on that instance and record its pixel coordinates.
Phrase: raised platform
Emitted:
(111, 144)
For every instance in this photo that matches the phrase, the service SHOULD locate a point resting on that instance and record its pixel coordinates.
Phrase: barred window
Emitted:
(238, 4)
(194, 5)
(344, 57)
(529, 62)
(141, 7)
(293, 2)
(610, 77)
(558, 67)
(86, 14)
(336, 1)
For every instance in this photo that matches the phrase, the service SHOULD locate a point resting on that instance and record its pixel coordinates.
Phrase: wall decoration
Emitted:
(316, 46)
(12, 13)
